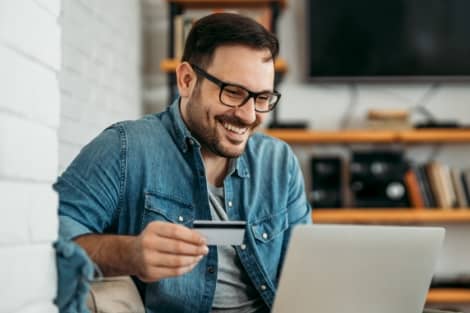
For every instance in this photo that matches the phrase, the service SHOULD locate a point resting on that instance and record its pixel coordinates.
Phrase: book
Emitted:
(458, 188)
(423, 180)
(436, 183)
(465, 178)
(414, 192)
(450, 199)
(390, 119)
(178, 39)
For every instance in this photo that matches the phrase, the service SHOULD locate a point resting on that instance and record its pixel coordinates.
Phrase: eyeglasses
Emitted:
(234, 96)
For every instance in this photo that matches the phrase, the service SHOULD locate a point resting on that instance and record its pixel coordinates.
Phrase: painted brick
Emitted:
(28, 276)
(98, 38)
(30, 90)
(42, 218)
(41, 307)
(14, 221)
(30, 214)
(53, 6)
(16, 21)
(67, 153)
(70, 108)
(28, 150)
(75, 84)
(76, 132)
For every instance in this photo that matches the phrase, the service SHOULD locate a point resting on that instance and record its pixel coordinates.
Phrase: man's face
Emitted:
(222, 130)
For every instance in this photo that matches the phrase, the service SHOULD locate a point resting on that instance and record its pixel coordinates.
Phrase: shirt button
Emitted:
(265, 235)
(211, 270)
(180, 218)
(262, 287)
(243, 247)
(229, 204)
(191, 142)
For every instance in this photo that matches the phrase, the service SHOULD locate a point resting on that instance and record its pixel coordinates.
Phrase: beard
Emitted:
(204, 127)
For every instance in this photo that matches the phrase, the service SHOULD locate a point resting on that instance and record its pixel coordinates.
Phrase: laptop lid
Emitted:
(358, 269)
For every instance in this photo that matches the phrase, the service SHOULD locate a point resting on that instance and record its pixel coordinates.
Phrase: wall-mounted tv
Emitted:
(351, 40)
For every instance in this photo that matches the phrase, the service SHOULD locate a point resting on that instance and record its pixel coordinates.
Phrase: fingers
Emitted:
(178, 247)
(174, 261)
(167, 250)
(164, 272)
(177, 232)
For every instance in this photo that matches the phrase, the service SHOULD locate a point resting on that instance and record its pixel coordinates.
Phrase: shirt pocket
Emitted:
(161, 207)
(270, 228)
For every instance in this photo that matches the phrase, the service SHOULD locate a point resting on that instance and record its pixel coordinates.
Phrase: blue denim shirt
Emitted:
(151, 169)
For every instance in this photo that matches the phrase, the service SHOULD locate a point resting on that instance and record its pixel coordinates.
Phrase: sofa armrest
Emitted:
(114, 295)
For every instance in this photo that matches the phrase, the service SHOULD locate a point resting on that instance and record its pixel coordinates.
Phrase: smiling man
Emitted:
(131, 196)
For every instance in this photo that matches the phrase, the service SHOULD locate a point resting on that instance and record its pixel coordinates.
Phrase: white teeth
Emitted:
(235, 129)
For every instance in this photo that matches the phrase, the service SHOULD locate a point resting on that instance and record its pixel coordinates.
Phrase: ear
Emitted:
(185, 79)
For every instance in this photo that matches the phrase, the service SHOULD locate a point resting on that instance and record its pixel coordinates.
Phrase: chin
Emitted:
(231, 151)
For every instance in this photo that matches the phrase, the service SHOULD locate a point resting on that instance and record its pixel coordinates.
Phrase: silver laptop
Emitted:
(358, 269)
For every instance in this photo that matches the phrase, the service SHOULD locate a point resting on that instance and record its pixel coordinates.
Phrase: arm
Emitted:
(91, 193)
(162, 250)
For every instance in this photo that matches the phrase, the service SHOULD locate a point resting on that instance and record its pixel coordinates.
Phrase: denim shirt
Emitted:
(136, 172)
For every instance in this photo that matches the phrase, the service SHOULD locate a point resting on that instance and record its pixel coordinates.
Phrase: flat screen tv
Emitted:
(353, 40)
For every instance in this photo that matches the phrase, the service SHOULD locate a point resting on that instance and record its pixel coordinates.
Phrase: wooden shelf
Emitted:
(427, 136)
(390, 216)
(226, 3)
(169, 65)
(450, 296)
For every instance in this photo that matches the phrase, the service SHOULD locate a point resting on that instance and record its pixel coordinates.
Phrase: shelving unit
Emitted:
(176, 7)
(381, 215)
(448, 296)
(389, 216)
(305, 137)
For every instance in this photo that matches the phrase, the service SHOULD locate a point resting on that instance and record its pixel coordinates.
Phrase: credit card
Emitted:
(221, 232)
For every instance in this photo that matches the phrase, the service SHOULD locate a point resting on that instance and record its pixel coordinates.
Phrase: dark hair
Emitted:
(221, 29)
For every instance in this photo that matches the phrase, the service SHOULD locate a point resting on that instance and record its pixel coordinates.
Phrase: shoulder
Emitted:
(148, 130)
(266, 146)
(147, 123)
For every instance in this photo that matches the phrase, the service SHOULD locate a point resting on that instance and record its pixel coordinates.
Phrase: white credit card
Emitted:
(221, 232)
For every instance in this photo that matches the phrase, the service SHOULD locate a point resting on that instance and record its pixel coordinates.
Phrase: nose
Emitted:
(247, 112)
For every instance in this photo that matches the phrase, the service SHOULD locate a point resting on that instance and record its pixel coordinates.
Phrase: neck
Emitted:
(216, 167)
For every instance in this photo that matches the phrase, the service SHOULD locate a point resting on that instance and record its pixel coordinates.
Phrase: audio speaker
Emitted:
(326, 181)
(377, 179)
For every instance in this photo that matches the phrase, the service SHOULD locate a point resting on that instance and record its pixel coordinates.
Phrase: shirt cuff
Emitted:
(70, 228)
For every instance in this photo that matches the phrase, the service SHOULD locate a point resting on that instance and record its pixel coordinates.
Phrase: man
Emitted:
(131, 195)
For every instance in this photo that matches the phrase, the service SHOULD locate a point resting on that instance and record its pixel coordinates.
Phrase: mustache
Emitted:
(234, 121)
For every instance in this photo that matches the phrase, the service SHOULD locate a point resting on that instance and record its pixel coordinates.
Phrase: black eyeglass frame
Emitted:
(221, 84)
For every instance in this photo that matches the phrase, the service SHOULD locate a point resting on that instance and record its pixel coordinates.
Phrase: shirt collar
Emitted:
(241, 168)
(183, 136)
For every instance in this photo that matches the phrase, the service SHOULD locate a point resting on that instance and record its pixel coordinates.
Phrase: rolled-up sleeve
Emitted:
(91, 188)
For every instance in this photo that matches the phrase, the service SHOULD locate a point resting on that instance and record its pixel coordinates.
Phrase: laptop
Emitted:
(358, 269)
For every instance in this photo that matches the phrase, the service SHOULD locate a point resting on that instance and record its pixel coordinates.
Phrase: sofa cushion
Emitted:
(115, 295)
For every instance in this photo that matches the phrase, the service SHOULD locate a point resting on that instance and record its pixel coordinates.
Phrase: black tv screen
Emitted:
(389, 39)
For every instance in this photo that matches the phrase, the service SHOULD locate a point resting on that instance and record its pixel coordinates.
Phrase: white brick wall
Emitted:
(88, 64)
(100, 77)
(29, 119)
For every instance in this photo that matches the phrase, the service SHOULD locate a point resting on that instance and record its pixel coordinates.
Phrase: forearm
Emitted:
(114, 254)
(160, 251)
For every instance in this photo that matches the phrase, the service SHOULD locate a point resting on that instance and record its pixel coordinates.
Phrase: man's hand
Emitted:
(161, 250)
(164, 250)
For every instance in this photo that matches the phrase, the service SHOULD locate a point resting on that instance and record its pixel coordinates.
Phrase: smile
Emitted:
(235, 129)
